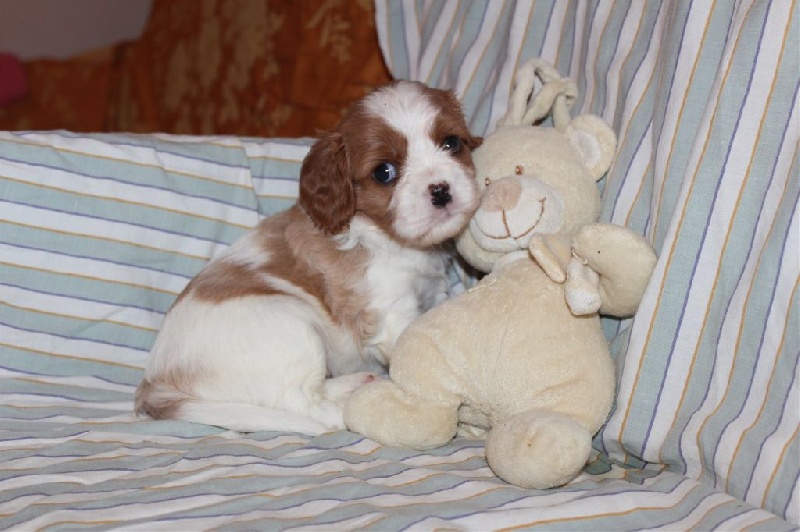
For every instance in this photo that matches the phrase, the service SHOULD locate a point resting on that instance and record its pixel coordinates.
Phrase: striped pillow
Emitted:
(98, 234)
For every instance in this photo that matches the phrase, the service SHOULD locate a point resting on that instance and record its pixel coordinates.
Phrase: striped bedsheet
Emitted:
(98, 234)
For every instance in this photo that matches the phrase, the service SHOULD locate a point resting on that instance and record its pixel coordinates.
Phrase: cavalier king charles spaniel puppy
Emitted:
(277, 331)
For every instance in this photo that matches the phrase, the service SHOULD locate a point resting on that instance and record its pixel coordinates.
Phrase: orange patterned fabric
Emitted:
(71, 94)
(250, 67)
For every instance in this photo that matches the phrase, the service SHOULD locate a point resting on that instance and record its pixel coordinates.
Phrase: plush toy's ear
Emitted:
(326, 188)
(595, 141)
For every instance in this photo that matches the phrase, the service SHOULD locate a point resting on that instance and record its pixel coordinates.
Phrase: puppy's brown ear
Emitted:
(326, 189)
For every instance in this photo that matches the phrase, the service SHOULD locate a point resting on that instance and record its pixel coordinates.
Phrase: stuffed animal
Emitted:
(520, 358)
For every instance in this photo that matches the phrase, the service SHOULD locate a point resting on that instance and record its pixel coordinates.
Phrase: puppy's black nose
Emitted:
(440, 194)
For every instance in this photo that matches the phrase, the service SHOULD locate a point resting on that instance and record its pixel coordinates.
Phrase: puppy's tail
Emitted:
(161, 401)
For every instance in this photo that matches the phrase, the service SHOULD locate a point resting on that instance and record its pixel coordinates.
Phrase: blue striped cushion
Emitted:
(100, 233)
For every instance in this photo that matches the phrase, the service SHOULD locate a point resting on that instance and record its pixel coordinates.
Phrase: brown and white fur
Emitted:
(277, 331)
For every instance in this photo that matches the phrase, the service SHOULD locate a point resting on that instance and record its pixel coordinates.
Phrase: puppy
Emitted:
(277, 331)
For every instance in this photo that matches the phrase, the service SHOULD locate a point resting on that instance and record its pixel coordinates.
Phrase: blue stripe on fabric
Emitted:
(81, 338)
(607, 213)
(776, 424)
(94, 259)
(789, 499)
(660, 112)
(291, 179)
(85, 299)
(404, 22)
(648, 100)
(711, 51)
(134, 184)
(96, 217)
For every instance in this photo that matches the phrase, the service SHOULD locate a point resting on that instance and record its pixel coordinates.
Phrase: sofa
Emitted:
(99, 232)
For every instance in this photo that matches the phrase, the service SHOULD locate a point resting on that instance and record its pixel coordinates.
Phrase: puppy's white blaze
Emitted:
(407, 109)
(402, 282)
(404, 107)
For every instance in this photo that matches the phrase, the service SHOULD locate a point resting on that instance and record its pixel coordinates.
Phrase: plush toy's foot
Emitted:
(538, 449)
(382, 412)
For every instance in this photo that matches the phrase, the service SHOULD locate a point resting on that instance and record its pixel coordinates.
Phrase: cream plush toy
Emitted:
(521, 358)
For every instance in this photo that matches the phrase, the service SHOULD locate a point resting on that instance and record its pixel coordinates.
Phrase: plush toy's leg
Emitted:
(538, 449)
(418, 407)
(383, 412)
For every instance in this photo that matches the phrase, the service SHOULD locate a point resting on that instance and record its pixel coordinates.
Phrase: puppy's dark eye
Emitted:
(385, 173)
(452, 144)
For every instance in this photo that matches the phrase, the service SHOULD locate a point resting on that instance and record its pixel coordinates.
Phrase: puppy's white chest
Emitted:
(402, 286)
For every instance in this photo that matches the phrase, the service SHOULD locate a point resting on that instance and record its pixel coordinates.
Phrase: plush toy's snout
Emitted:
(502, 195)
(515, 208)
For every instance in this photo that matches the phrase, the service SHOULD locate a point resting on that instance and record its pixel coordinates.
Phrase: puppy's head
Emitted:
(401, 156)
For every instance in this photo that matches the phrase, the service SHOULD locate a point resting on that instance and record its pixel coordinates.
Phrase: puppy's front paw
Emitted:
(339, 389)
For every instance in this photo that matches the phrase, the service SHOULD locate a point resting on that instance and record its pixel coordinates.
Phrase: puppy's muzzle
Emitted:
(440, 194)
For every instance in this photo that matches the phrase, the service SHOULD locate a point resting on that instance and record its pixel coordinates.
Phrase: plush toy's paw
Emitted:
(538, 449)
(383, 412)
(611, 249)
(582, 289)
(551, 253)
(623, 260)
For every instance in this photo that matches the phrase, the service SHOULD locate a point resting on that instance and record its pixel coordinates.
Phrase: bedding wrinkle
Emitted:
(690, 50)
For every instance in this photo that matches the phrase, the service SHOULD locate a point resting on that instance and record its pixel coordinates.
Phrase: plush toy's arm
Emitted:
(623, 260)
(582, 288)
(552, 253)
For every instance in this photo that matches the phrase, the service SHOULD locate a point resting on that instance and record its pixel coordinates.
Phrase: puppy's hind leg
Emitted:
(339, 389)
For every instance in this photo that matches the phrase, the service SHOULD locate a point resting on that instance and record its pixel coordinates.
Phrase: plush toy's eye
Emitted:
(519, 170)
(385, 173)
(487, 181)
(452, 144)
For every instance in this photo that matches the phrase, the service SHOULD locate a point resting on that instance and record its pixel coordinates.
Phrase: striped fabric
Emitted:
(98, 233)
(704, 97)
